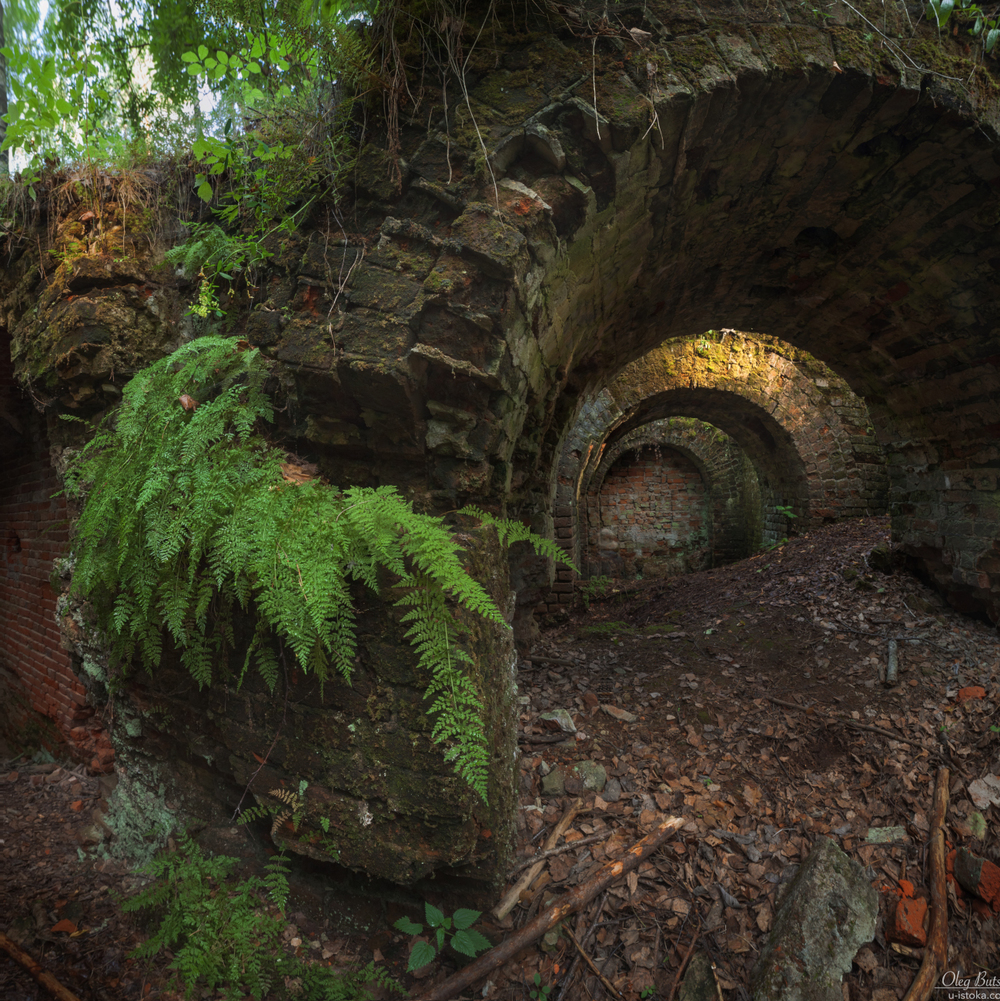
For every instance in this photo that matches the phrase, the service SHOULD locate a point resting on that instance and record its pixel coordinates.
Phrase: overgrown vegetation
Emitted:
(187, 521)
(593, 589)
(227, 936)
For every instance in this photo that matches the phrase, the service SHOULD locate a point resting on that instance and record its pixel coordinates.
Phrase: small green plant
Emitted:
(227, 936)
(593, 589)
(647, 993)
(463, 938)
(989, 27)
(292, 807)
(541, 991)
(785, 510)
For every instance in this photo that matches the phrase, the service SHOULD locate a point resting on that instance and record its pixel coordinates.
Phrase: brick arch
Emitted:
(801, 426)
(736, 524)
(808, 437)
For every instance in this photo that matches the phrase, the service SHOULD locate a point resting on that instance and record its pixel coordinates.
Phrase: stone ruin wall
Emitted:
(654, 516)
(732, 509)
(797, 179)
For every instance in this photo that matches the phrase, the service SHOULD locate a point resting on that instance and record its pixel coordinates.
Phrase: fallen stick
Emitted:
(558, 661)
(936, 953)
(561, 908)
(46, 980)
(511, 897)
(608, 986)
(568, 847)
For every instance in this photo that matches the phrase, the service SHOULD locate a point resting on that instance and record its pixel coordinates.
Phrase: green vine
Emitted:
(190, 514)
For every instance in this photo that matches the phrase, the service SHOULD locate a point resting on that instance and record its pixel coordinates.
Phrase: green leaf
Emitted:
(433, 915)
(420, 955)
(222, 57)
(991, 39)
(977, 824)
(465, 918)
(407, 927)
(470, 943)
(253, 67)
(188, 57)
(194, 69)
(204, 191)
(210, 63)
(202, 52)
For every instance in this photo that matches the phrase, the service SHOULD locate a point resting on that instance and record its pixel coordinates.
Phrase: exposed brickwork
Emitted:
(786, 433)
(654, 516)
(733, 511)
(34, 533)
(800, 424)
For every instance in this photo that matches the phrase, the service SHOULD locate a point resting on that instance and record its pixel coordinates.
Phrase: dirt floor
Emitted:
(748, 699)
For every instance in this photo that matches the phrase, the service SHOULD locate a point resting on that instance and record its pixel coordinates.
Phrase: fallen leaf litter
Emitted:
(748, 700)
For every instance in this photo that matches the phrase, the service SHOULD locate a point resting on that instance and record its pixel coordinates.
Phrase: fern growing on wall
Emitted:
(187, 519)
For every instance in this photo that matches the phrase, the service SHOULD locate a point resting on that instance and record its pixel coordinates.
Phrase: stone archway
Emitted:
(739, 166)
(733, 513)
(808, 437)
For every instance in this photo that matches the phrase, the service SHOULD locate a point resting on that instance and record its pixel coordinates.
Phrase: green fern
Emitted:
(186, 520)
(210, 249)
(292, 808)
(228, 936)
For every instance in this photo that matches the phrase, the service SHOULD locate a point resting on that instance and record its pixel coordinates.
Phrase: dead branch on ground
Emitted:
(561, 908)
(936, 953)
(513, 894)
(46, 980)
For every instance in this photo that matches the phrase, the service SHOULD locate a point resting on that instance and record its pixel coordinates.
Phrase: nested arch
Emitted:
(733, 510)
(804, 439)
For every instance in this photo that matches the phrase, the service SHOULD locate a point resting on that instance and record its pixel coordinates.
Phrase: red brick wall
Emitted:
(654, 515)
(36, 673)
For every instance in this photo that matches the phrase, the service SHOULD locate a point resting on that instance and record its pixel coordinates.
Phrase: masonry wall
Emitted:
(655, 517)
(42, 702)
(739, 500)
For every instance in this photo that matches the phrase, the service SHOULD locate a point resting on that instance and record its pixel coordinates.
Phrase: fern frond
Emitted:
(185, 515)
